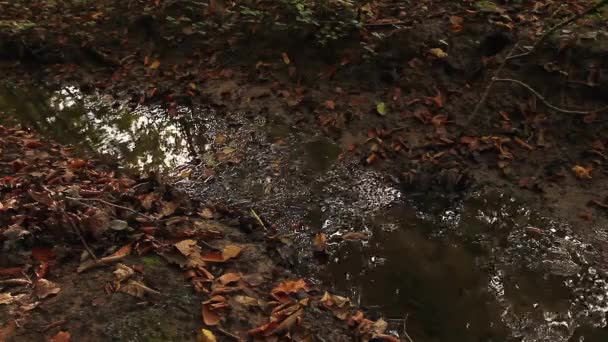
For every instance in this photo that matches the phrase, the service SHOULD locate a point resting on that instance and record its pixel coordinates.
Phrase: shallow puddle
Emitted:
(484, 269)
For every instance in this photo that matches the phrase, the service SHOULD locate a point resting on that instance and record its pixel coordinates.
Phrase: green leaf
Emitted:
(381, 108)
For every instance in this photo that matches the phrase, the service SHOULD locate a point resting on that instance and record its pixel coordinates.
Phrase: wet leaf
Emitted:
(62, 336)
(119, 225)
(582, 172)
(206, 336)
(381, 108)
(45, 288)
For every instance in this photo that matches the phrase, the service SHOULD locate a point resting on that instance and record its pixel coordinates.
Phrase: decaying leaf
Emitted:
(168, 208)
(340, 306)
(320, 242)
(7, 298)
(45, 288)
(247, 301)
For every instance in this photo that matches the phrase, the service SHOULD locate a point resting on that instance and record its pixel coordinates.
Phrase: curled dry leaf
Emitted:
(117, 256)
(212, 310)
(45, 288)
(7, 298)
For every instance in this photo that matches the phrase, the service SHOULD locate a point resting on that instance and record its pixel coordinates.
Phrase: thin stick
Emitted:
(84, 242)
(229, 334)
(558, 26)
(405, 328)
(111, 204)
(488, 88)
(543, 100)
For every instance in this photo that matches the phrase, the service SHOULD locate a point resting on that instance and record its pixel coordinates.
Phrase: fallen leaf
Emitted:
(582, 172)
(381, 108)
(211, 310)
(45, 288)
(206, 336)
(155, 65)
(62, 336)
(123, 272)
(247, 301)
(329, 104)
(168, 208)
(119, 225)
(76, 164)
(287, 287)
(206, 213)
(437, 52)
(136, 289)
(320, 242)
(228, 278)
(285, 57)
(231, 251)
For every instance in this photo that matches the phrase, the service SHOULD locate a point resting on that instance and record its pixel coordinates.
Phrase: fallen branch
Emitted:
(543, 100)
(558, 26)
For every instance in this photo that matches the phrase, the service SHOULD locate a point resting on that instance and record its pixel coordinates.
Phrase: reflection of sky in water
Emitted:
(146, 138)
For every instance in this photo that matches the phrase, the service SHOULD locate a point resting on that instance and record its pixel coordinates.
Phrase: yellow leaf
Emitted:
(155, 65)
(231, 251)
(437, 52)
(582, 172)
(206, 336)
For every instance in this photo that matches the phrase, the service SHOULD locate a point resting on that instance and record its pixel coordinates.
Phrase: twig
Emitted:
(405, 328)
(543, 100)
(387, 24)
(84, 242)
(229, 334)
(488, 88)
(111, 204)
(558, 26)
(255, 215)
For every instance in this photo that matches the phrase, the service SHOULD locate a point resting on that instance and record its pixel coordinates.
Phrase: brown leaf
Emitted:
(123, 272)
(211, 315)
(320, 242)
(76, 164)
(206, 213)
(168, 208)
(45, 288)
(62, 336)
(136, 289)
(330, 104)
(287, 287)
(228, 278)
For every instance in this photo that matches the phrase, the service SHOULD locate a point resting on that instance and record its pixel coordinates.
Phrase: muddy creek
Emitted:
(487, 267)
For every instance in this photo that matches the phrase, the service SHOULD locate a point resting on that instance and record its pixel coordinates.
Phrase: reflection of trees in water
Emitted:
(144, 138)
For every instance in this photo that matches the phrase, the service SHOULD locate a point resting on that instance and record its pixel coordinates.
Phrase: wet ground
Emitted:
(482, 267)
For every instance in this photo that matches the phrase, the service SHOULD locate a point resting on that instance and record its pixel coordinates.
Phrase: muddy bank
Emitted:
(485, 263)
(369, 165)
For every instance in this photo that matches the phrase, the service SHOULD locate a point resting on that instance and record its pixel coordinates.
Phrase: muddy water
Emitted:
(484, 268)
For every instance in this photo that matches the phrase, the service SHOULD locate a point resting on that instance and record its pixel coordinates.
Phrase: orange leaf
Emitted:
(229, 278)
(62, 336)
(329, 104)
(231, 251)
(582, 172)
(155, 65)
(77, 164)
(289, 286)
